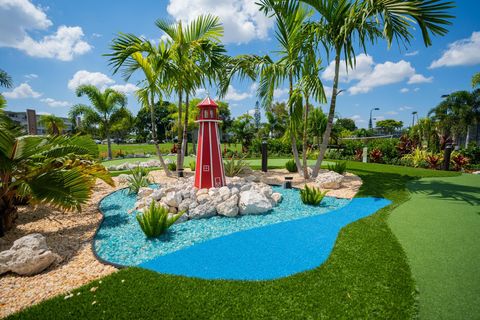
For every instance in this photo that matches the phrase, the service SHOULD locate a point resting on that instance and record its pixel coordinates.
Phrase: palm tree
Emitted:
(317, 125)
(476, 80)
(54, 125)
(341, 22)
(108, 107)
(5, 79)
(184, 42)
(132, 54)
(56, 170)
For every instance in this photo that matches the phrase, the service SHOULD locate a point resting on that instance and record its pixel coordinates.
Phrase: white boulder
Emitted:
(29, 255)
(144, 192)
(276, 197)
(253, 202)
(173, 199)
(329, 180)
(228, 208)
(204, 210)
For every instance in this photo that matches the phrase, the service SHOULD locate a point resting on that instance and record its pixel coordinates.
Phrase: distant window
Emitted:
(205, 113)
(211, 114)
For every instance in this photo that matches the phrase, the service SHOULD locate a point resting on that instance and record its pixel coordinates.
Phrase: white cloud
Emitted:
(463, 52)
(96, 35)
(418, 78)
(241, 19)
(21, 92)
(391, 113)
(97, 79)
(200, 93)
(405, 108)
(127, 88)
(404, 90)
(19, 17)
(55, 103)
(357, 118)
(31, 76)
(363, 67)
(281, 93)
(383, 74)
(251, 112)
(411, 54)
(416, 89)
(234, 95)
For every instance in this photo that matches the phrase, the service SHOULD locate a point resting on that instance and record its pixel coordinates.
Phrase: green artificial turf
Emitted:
(439, 229)
(366, 276)
(143, 148)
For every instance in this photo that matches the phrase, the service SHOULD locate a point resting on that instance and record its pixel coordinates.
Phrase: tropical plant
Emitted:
(312, 196)
(376, 155)
(389, 125)
(172, 166)
(5, 79)
(108, 108)
(235, 167)
(53, 124)
(338, 167)
(156, 219)
(433, 160)
(342, 23)
(459, 161)
(56, 170)
(192, 165)
(137, 178)
(476, 80)
(405, 145)
(417, 157)
(243, 129)
(291, 166)
(131, 53)
(317, 125)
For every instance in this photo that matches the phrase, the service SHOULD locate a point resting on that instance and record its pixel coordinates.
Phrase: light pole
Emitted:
(413, 117)
(370, 124)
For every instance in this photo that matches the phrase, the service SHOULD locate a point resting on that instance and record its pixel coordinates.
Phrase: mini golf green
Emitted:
(438, 228)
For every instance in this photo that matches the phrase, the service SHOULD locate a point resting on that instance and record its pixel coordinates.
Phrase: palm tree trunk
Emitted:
(467, 137)
(109, 142)
(331, 114)
(185, 128)
(293, 138)
(179, 130)
(8, 213)
(154, 135)
(305, 137)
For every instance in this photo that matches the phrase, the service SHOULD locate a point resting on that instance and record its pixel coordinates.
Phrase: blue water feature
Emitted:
(293, 237)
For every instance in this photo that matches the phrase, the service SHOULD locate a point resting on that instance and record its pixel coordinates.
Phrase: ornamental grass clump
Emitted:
(192, 165)
(137, 179)
(338, 167)
(156, 220)
(235, 167)
(172, 166)
(291, 166)
(312, 196)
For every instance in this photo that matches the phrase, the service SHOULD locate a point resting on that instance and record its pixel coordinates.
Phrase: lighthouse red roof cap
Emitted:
(207, 102)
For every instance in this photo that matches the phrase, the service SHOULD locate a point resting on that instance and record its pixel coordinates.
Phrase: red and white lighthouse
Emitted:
(209, 171)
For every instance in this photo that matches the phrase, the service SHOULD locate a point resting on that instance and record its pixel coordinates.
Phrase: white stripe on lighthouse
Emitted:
(220, 154)
(211, 157)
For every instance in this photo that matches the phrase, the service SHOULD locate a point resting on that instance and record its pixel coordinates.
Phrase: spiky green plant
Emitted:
(235, 167)
(192, 165)
(156, 220)
(137, 179)
(291, 166)
(338, 167)
(172, 166)
(312, 196)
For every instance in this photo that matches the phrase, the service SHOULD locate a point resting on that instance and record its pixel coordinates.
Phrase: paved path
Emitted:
(439, 228)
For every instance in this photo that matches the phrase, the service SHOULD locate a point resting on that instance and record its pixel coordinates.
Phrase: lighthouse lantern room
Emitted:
(209, 171)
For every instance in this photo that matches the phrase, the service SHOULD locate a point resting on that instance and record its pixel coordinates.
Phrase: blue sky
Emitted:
(50, 47)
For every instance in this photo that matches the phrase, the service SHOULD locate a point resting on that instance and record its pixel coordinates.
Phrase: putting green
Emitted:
(438, 228)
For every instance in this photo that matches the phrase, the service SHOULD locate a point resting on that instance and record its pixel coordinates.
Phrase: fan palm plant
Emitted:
(53, 124)
(341, 22)
(317, 124)
(5, 79)
(57, 170)
(186, 43)
(108, 107)
(132, 54)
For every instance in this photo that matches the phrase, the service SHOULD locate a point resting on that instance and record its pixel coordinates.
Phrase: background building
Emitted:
(30, 121)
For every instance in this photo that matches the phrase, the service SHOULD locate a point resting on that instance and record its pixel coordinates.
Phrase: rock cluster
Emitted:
(131, 165)
(29, 255)
(241, 196)
(329, 179)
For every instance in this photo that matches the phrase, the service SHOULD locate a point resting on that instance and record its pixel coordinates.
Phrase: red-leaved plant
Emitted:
(359, 154)
(433, 160)
(459, 161)
(376, 155)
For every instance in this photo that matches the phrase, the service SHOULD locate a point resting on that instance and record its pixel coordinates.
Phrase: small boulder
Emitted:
(173, 199)
(253, 202)
(204, 210)
(228, 208)
(277, 197)
(203, 198)
(329, 180)
(144, 192)
(224, 193)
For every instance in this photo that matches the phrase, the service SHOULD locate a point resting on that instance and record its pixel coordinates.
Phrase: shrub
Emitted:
(172, 166)
(433, 160)
(472, 153)
(156, 219)
(459, 161)
(388, 147)
(235, 167)
(338, 167)
(137, 179)
(405, 145)
(358, 155)
(291, 166)
(376, 156)
(312, 196)
(417, 157)
(192, 165)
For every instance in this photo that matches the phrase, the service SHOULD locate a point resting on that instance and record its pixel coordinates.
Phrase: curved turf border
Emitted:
(367, 276)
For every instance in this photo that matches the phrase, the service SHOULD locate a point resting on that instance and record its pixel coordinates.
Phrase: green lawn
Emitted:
(144, 148)
(439, 230)
(366, 276)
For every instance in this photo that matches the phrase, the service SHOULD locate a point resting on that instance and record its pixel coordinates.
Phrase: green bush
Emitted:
(192, 165)
(291, 166)
(235, 167)
(338, 167)
(312, 196)
(156, 219)
(276, 147)
(388, 148)
(137, 179)
(172, 166)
